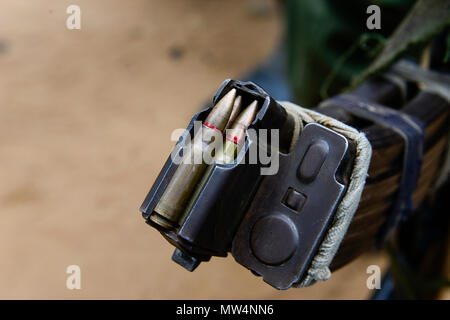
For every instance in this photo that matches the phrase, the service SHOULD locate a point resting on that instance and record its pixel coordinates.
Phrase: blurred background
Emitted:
(85, 125)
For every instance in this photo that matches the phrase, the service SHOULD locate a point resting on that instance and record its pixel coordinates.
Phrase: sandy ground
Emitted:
(85, 124)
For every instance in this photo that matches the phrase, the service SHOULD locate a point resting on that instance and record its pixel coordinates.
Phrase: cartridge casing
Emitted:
(174, 199)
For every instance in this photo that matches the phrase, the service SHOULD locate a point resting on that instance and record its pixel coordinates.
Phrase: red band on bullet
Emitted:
(211, 126)
(233, 139)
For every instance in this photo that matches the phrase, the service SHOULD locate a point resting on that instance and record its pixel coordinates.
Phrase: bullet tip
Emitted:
(221, 112)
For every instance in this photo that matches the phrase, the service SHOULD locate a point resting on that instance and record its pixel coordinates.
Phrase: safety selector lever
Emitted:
(272, 215)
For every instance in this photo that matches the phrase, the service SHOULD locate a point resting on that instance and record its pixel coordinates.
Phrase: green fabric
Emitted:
(328, 43)
(426, 19)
